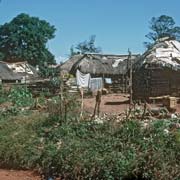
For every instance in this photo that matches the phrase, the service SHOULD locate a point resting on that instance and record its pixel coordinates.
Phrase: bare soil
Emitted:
(18, 175)
(114, 104)
(110, 104)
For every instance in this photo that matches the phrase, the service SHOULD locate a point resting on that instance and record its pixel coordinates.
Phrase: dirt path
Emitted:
(18, 175)
(111, 104)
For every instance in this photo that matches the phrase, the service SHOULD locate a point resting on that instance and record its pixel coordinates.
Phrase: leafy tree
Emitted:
(24, 39)
(87, 46)
(162, 26)
(1, 56)
(72, 51)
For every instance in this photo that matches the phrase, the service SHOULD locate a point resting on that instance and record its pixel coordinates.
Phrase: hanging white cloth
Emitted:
(108, 80)
(96, 84)
(82, 79)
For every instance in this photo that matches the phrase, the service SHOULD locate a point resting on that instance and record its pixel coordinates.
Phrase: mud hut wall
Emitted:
(165, 82)
(118, 82)
(175, 84)
(156, 82)
(141, 84)
(159, 82)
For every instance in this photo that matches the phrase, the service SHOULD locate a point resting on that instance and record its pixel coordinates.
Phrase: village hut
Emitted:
(113, 67)
(157, 73)
(66, 66)
(17, 72)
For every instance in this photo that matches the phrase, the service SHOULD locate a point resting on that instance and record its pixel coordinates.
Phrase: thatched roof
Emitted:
(99, 64)
(164, 53)
(67, 65)
(7, 74)
(16, 71)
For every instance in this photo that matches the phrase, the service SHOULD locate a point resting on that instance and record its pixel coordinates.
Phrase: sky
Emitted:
(117, 24)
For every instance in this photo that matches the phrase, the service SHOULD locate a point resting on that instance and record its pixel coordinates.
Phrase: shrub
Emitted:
(10, 111)
(3, 95)
(65, 107)
(87, 150)
(20, 96)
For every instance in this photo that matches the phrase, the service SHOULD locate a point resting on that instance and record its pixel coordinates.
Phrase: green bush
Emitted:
(87, 150)
(58, 144)
(10, 111)
(3, 95)
(20, 96)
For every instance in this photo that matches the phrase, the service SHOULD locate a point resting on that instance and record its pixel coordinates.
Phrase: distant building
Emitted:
(17, 72)
(115, 67)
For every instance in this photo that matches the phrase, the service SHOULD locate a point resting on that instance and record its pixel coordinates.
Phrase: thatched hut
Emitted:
(115, 67)
(157, 72)
(17, 72)
(65, 67)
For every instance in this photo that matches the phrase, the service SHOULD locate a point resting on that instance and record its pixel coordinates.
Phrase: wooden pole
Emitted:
(25, 76)
(61, 97)
(82, 102)
(130, 77)
(98, 102)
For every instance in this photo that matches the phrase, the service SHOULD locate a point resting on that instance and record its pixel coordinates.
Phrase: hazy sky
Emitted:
(117, 24)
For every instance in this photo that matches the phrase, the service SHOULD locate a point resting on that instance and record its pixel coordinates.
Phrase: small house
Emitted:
(19, 72)
(157, 72)
(110, 67)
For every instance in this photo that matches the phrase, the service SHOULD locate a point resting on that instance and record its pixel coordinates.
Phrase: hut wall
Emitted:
(119, 84)
(159, 82)
(175, 84)
(156, 82)
(141, 84)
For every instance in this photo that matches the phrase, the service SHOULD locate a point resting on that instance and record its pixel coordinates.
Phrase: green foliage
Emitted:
(162, 26)
(85, 47)
(87, 150)
(1, 56)
(10, 111)
(3, 95)
(59, 144)
(65, 107)
(48, 71)
(55, 82)
(24, 38)
(20, 96)
(42, 99)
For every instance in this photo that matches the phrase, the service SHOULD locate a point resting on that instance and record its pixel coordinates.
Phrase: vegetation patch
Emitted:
(57, 143)
(90, 150)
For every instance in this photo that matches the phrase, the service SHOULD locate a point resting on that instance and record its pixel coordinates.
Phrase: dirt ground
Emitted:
(114, 104)
(18, 175)
(110, 104)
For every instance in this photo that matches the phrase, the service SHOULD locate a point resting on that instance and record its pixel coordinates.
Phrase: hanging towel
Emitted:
(82, 79)
(96, 84)
(108, 80)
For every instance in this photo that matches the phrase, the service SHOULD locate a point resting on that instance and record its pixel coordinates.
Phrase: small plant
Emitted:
(88, 150)
(3, 95)
(20, 96)
(10, 111)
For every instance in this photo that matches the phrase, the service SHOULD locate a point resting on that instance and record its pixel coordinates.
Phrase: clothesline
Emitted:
(85, 81)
